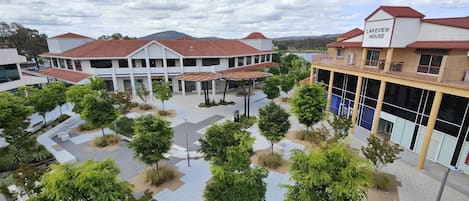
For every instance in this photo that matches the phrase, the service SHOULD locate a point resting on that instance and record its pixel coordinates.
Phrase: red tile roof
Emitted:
(255, 35)
(65, 75)
(440, 44)
(199, 76)
(461, 22)
(70, 35)
(245, 75)
(209, 47)
(103, 48)
(350, 34)
(250, 68)
(344, 44)
(398, 11)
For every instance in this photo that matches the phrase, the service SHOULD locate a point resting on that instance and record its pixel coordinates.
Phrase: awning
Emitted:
(199, 76)
(245, 75)
(67, 76)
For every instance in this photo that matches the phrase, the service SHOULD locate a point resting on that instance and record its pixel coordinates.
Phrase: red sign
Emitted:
(467, 159)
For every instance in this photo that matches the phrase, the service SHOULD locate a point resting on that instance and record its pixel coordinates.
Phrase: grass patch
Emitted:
(382, 181)
(284, 99)
(165, 173)
(315, 137)
(163, 113)
(133, 104)
(106, 140)
(85, 127)
(247, 122)
(145, 106)
(269, 160)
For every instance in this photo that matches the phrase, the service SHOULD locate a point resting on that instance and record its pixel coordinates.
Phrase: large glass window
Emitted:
(340, 52)
(263, 58)
(61, 63)
(430, 63)
(54, 62)
(69, 64)
(78, 65)
(189, 62)
(156, 62)
(8, 73)
(101, 63)
(372, 57)
(248, 60)
(123, 63)
(231, 62)
(240, 61)
(256, 59)
(171, 62)
(210, 62)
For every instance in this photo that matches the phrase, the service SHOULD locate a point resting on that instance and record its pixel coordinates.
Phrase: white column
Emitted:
(51, 62)
(236, 62)
(115, 65)
(132, 79)
(73, 65)
(165, 66)
(183, 87)
(244, 60)
(114, 82)
(252, 59)
(147, 62)
(199, 88)
(181, 63)
(213, 89)
(18, 68)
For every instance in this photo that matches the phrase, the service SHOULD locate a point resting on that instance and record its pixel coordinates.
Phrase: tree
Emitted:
(76, 94)
(152, 138)
(381, 153)
(234, 179)
(270, 87)
(162, 91)
(97, 83)
(59, 91)
(328, 173)
(13, 111)
(287, 82)
(143, 93)
(99, 110)
(273, 123)
(43, 100)
(116, 36)
(124, 126)
(341, 126)
(91, 180)
(309, 104)
(214, 143)
(123, 100)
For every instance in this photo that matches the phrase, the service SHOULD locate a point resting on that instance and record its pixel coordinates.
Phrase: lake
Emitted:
(306, 55)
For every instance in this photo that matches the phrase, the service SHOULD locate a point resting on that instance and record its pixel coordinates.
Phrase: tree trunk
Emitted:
(307, 127)
(44, 117)
(102, 130)
(157, 168)
(60, 108)
(163, 105)
(35, 60)
(224, 92)
(272, 143)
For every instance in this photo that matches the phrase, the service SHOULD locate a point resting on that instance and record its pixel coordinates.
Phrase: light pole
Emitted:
(445, 177)
(187, 143)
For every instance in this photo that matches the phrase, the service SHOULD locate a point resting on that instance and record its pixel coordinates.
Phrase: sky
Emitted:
(202, 18)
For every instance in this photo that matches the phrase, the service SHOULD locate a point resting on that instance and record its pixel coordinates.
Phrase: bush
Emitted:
(133, 104)
(270, 160)
(85, 127)
(315, 137)
(124, 126)
(145, 106)
(62, 118)
(106, 140)
(221, 102)
(163, 113)
(382, 181)
(165, 173)
(247, 122)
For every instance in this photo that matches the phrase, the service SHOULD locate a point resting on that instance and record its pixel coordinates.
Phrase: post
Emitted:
(356, 101)
(379, 104)
(442, 68)
(132, 78)
(363, 58)
(329, 93)
(183, 87)
(388, 61)
(187, 143)
(429, 131)
(442, 186)
(249, 96)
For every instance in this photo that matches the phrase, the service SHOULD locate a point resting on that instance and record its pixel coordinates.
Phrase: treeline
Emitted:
(304, 44)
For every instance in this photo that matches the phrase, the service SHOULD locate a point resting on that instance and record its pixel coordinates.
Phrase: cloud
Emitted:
(156, 5)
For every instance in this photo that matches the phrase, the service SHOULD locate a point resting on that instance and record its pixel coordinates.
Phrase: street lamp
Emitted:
(445, 177)
(187, 143)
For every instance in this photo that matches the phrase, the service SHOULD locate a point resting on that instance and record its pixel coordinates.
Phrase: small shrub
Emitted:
(85, 127)
(382, 181)
(124, 126)
(163, 113)
(106, 140)
(270, 160)
(315, 137)
(145, 106)
(62, 118)
(221, 102)
(247, 122)
(165, 173)
(133, 104)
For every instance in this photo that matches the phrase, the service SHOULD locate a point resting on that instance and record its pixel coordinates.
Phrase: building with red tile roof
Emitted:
(70, 35)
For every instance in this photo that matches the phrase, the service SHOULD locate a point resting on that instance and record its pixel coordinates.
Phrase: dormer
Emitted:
(64, 42)
(258, 41)
(391, 27)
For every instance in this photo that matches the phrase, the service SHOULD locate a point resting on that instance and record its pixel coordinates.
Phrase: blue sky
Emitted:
(221, 18)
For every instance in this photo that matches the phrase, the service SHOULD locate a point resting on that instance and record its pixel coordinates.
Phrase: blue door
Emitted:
(335, 104)
(367, 117)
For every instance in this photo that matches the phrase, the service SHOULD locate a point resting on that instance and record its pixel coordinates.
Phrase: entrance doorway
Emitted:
(385, 129)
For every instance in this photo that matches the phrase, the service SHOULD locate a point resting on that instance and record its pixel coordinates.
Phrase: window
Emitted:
(189, 62)
(266, 57)
(61, 63)
(231, 62)
(372, 57)
(69, 64)
(123, 63)
(210, 62)
(156, 62)
(430, 63)
(262, 58)
(108, 85)
(240, 61)
(143, 62)
(256, 59)
(54, 62)
(171, 62)
(8, 73)
(101, 63)
(78, 66)
(248, 60)
(340, 52)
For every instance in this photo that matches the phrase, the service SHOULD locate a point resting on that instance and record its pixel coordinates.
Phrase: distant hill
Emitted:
(172, 35)
(296, 43)
(304, 37)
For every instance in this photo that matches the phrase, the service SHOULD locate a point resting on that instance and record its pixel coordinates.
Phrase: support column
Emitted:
(363, 58)
(358, 91)
(74, 67)
(311, 75)
(199, 88)
(114, 82)
(132, 78)
(183, 86)
(379, 104)
(213, 89)
(329, 93)
(429, 131)
(165, 65)
(442, 68)
(236, 62)
(388, 61)
(147, 62)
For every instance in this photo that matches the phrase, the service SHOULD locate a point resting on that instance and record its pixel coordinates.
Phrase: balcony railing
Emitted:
(323, 59)
(428, 69)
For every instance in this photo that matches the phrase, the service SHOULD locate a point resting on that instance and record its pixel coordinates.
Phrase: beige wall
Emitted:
(457, 64)
(409, 57)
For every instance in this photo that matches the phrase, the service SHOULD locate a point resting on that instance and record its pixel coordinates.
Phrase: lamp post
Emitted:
(445, 177)
(187, 143)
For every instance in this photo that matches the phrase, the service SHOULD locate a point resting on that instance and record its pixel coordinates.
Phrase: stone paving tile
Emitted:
(191, 129)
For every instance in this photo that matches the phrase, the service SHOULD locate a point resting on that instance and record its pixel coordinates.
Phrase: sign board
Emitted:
(378, 33)
(467, 159)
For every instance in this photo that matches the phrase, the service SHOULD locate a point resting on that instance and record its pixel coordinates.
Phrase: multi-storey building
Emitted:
(404, 77)
(129, 64)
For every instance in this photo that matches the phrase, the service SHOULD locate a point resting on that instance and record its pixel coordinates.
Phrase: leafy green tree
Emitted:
(43, 101)
(309, 104)
(328, 173)
(218, 137)
(123, 101)
(124, 126)
(116, 36)
(381, 152)
(273, 123)
(143, 93)
(91, 180)
(99, 110)
(97, 83)
(162, 91)
(235, 180)
(287, 82)
(271, 87)
(14, 111)
(59, 91)
(76, 94)
(341, 126)
(152, 138)
(25, 178)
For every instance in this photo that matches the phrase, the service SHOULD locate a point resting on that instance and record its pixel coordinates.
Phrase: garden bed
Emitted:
(392, 194)
(140, 185)
(283, 168)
